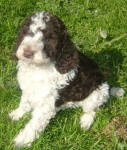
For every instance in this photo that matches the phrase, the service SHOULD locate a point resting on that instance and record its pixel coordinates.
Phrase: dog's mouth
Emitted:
(24, 56)
(28, 54)
(32, 57)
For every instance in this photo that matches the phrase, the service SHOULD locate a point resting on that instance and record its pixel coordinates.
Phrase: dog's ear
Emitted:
(23, 31)
(67, 55)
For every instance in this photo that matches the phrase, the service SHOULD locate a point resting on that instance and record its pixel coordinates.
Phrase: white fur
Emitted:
(87, 119)
(90, 104)
(38, 22)
(117, 92)
(34, 43)
(40, 81)
(39, 86)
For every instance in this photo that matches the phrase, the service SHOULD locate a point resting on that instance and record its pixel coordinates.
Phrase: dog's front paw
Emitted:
(16, 114)
(25, 138)
(87, 120)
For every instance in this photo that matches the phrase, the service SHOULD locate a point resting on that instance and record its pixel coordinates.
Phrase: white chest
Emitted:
(43, 81)
(34, 80)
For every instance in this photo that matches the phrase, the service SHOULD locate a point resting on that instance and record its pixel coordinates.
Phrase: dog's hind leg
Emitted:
(93, 102)
(87, 119)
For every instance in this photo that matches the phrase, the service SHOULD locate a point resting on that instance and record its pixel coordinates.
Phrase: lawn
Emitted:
(98, 29)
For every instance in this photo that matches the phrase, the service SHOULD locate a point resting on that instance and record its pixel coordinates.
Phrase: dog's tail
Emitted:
(117, 92)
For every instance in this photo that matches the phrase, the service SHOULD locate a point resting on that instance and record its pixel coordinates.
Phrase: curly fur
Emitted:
(53, 75)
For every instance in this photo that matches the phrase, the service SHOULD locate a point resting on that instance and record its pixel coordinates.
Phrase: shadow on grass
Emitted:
(110, 63)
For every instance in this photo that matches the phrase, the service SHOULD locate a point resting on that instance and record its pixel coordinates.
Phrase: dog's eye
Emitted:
(46, 40)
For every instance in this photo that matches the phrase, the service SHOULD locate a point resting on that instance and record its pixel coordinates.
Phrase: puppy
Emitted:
(54, 75)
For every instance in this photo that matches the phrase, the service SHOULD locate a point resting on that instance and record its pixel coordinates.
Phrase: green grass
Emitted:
(83, 19)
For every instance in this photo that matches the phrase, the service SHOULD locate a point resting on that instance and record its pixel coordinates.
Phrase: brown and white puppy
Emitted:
(54, 75)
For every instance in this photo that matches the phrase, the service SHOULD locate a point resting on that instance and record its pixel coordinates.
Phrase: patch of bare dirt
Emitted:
(118, 126)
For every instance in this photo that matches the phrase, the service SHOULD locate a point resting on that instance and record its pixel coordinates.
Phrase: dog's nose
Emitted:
(28, 53)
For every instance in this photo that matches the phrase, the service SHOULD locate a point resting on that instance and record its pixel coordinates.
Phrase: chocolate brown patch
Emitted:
(24, 30)
(58, 45)
(87, 79)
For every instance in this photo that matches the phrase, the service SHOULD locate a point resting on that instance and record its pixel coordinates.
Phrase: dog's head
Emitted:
(43, 39)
